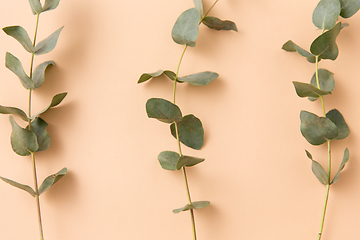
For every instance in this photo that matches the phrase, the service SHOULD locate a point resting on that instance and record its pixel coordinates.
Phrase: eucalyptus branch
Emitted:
(331, 126)
(34, 138)
(187, 129)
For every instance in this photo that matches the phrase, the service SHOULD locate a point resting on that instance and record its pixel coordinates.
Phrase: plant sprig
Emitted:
(187, 129)
(34, 138)
(318, 130)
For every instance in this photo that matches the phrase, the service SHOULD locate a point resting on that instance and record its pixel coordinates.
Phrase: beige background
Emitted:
(256, 173)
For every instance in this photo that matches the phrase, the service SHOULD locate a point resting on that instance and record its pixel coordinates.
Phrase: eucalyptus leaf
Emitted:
(308, 90)
(186, 28)
(147, 76)
(325, 46)
(317, 130)
(56, 100)
(50, 5)
(35, 6)
(23, 141)
(218, 24)
(14, 65)
(336, 117)
(20, 186)
(349, 7)
(191, 132)
(199, 7)
(21, 36)
(326, 81)
(319, 172)
(48, 44)
(15, 111)
(168, 160)
(38, 126)
(290, 46)
(200, 79)
(51, 180)
(193, 205)
(188, 161)
(39, 73)
(342, 165)
(326, 14)
(163, 110)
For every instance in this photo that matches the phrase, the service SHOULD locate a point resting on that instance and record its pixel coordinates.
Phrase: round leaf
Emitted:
(163, 110)
(186, 28)
(191, 131)
(324, 46)
(23, 141)
(326, 81)
(168, 160)
(336, 117)
(326, 14)
(349, 7)
(38, 126)
(317, 130)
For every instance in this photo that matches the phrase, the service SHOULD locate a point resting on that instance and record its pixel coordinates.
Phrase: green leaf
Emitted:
(336, 117)
(193, 205)
(163, 110)
(168, 160)
(325, 46)
(38, 126)
(51, 180)
(308, 90)
(290, 46)
(56, 100)
(48, 44)
(318, 170)
(186, 28)
(146, 76)
(35, 6)
(15, 111)
(218, 24)
(326, 14)
(188, 161)
(326, 81)
(191, 131)
(14, 65)
(50, 5)
(23, 141)
(21, 186)
(342, 165)
(349, 7)
(317, 130)
(199, 7)
(200, 79)
(39, 73)
(21, 36)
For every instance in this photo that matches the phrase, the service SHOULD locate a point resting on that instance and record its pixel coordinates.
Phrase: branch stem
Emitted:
(328, 153)
(33, 154)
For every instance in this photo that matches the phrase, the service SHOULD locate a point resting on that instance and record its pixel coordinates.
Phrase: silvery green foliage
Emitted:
(186, 129)
(318, 130)
(34, 137)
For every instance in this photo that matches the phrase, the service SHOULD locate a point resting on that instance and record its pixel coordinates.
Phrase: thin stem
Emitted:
(33, 154)
(329, 153)
(37, 197)
(324, 211)
(179, 146)
(209, 10)
(177, 73)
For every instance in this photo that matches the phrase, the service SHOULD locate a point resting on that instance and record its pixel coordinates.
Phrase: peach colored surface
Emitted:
(256, 173)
